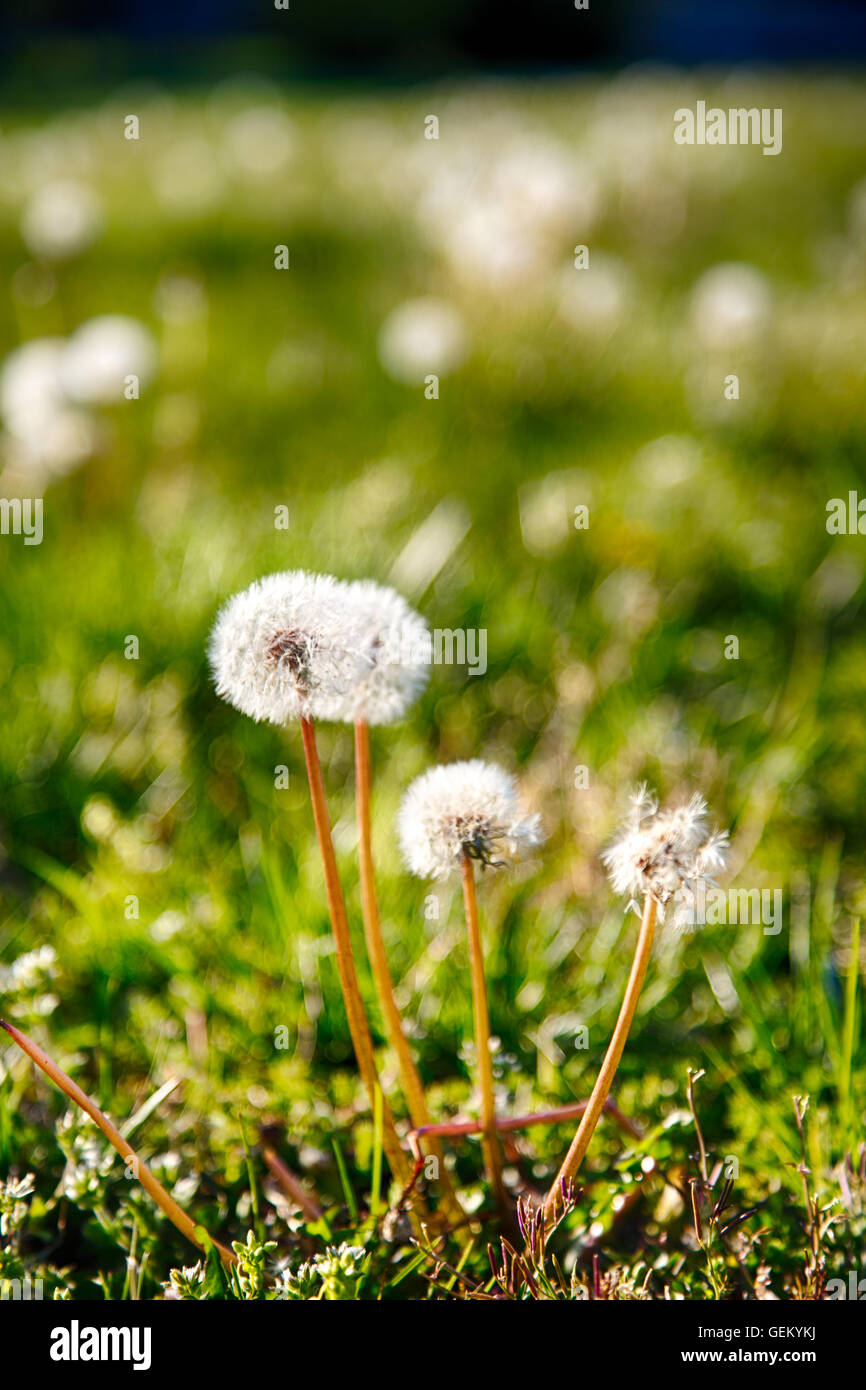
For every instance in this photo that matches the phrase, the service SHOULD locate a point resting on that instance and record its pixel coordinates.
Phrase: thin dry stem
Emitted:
(140, 1170)
(355, 1013)
(413, 1088)
(453, 1129)
(490, 1141)
(291, 1185)
(586, 1128)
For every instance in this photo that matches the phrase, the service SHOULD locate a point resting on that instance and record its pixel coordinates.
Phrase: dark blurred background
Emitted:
(94, 41)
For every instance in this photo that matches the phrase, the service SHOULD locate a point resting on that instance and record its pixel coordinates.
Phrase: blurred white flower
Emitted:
(545, 186)
(62, 219)
(102, 353)
(31, 381)
(668, 461)
(29, 971)
(463, 809)
(665, 854)
(422, 337)
(730, 304)
(394, 646)
(284, 648)
(487, 247)
(43, 434)
(64, 439)
(188, 178)
(593, 300)
(259, 140)
(546, 509)
(499, 208)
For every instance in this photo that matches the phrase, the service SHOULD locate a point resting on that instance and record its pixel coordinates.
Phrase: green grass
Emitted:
(128, 780)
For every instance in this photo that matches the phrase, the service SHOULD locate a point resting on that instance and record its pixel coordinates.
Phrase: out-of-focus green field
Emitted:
(558, 388)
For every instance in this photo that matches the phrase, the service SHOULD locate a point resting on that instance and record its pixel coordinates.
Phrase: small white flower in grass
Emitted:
(463, 809)
(394, 648)
(284, 648)
(665, 854)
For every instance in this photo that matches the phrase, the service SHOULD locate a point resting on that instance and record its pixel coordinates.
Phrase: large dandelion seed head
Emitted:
(466, 809)
(393, 646)
(665, 854)
(283, 648)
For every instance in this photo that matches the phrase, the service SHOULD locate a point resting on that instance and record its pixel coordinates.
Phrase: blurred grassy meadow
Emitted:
(558, 388)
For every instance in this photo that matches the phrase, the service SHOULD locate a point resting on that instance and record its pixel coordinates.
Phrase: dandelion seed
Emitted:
(451, 817)
(283, 648)
(393, 646)
(665, 854)
(463, 810)
(286, 648)
(660, 856)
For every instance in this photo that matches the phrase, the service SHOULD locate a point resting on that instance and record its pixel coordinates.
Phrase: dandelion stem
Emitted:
(291, 1185)
(586, 1128)
(139, 1168)
(490, 1141)
(453, 1129)
(355, 1013)
(413, 1088)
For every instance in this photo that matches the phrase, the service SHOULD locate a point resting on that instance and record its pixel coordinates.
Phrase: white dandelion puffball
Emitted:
(665, 854)
(102, 353)
(43, 434)
(730, 304)
(283, 648)
(31, 382)
(61, 220)
(420, 338)
(394, 647)
(63, 440)
(463, 809)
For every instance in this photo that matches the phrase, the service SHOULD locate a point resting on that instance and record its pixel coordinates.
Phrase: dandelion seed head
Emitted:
(466, 808)
(665, 853)
(393, 646)
(284, 648)
(422, 336)
(102, 353)
(44, 435)
(61, 220)
(731, 303)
